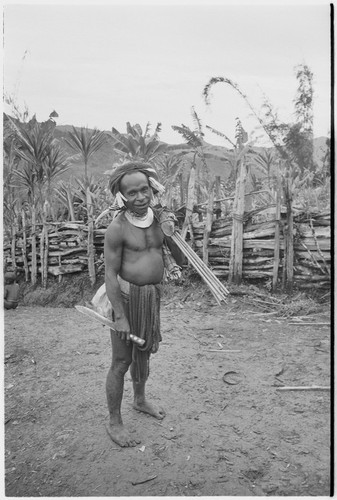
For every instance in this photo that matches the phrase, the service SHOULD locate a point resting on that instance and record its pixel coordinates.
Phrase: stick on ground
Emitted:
(304, 388)
(144, 480)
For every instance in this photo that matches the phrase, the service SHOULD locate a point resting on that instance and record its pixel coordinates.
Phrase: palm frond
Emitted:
(147, 129)
(56, 163)
(26, 178)
(130, 130)
(189, 136)
(86, 142)
(120, 141)
(153, 149)
(133, 145)
(220, 134)
(197, 122)
(138, 130)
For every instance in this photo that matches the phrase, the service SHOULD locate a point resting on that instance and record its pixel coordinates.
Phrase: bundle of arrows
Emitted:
(218, 290)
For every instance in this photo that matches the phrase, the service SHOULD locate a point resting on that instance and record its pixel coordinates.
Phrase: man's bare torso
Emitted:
(142, 261)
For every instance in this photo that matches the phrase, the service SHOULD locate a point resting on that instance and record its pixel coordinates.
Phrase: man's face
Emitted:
(135, 187)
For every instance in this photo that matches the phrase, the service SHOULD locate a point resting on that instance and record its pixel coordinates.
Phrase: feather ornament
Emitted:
(157, 186)
(120, 199)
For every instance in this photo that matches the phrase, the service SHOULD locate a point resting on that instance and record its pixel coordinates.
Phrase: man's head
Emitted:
(133, 178)
(137, 192)
(10, 277)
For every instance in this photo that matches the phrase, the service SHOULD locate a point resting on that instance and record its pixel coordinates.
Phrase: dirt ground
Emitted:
(229, 430)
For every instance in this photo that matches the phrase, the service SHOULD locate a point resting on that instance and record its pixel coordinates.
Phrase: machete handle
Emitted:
(106, 322)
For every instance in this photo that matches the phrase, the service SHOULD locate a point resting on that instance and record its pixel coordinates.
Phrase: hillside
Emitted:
(106, 157)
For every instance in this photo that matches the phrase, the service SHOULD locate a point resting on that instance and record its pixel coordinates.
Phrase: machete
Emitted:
(107, 322)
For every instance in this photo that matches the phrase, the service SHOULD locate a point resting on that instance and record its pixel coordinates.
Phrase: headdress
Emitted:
(130, 168)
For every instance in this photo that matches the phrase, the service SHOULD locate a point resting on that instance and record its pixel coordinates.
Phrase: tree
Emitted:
(33, 146)
(293, 142)
(41, 162)
(86, 143)
(325, 171)
(300, 147)
(304, 99)
(10, 164)
(299, 136)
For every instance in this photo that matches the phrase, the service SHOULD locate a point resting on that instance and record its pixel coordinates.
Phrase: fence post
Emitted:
(218, 196)
(235, 263)
(42, 255)
(46, 252)
(33, 272)
(24, 246)
(289, 247)
(13, 243)
(208, 223)
(277, 231)
(91, 247)
(181, 189)
(189, 202)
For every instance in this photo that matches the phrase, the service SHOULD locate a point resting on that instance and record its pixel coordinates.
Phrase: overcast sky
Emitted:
(103, 65)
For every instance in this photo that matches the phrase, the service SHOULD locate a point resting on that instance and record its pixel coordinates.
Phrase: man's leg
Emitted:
(121, 360)
(140, 403)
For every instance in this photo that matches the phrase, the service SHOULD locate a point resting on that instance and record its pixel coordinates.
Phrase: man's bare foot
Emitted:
(121, 436)
(146, 407)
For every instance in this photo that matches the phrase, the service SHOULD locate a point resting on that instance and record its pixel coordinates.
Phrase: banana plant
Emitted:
(194, 138)
(138, 145)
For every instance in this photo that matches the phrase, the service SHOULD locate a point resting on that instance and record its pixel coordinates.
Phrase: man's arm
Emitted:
(113, 251)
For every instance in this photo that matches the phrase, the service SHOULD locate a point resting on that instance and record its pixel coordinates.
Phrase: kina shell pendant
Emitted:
(143, 222)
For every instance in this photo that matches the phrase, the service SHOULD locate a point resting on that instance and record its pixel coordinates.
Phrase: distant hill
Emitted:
(106, 157)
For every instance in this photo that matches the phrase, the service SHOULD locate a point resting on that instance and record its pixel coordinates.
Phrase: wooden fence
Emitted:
(263, 232)
(311, 242)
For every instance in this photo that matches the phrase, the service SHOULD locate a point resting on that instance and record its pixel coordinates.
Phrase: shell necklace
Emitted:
(140, 221)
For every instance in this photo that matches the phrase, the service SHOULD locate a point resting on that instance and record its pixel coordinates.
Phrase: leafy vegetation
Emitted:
(37, 162)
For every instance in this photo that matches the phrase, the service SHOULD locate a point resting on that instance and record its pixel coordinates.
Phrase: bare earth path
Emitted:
(234, 435)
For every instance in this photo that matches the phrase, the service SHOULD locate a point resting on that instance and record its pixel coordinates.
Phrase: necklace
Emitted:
(142, 220)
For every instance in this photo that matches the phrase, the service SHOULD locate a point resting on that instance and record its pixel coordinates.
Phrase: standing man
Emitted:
(134, 268)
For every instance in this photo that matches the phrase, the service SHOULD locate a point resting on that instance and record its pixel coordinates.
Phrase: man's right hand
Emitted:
(122, 329)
